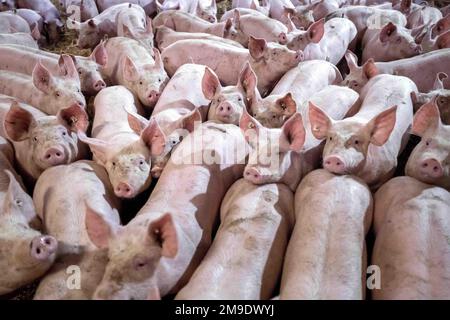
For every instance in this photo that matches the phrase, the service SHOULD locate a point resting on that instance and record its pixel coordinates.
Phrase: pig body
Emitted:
(88, 8)
(277, 8)
(185, 219)
(131, 65)
(317, 265)
(205, 10)
(242, 12)
(134, 24)
(33, 18)
(257, 219)
(166, 36)
(269, 60)
(148, 5)
(41, 141)
(12, 23)
(70, 219)
(25, 253)
(411, 226)
(22, 39)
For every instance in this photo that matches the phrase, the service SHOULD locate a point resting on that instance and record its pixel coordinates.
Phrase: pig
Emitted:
(242, 12)
(25, 253)
(23, 39)
(368, 143)
(33, 19)
(87, 8)
(263, 8)
(122, 148)
(277, 8)
(44, 91)
(270, 61)
(206, 10)
(427, 35)
(317, 265)
(293, 91)
(156, 253)
(445, 10)
(428, 161)
(92, 31)
(166, 36)
(180, 108)
(76, 219)
(7, 5)
(301, 17)
(423, 15)
(260, 26)
(392, 42)
(91, 80)
(411, 227)
(148, 5)
(439, 94)
(41, 141)
(186, 22)
(286, 154)
(131, 65)
(52, 19)
(442, 41)
(138, 28)
(325, 41)
(228, 103)
(11, 21)
(421, 69)
(257, 220)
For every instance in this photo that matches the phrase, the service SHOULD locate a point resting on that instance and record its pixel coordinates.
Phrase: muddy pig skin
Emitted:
(157, 252)
(76, 218)
(411, 225)
(246, 256)
(326, 256)
(25, 253)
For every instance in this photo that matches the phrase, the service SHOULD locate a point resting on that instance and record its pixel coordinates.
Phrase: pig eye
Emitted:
(35, 139)
(140, 82)
(80, 72)
(330, 138)
(114, 164)
(356, 142)
(159, 80)
(58, 94)
(428, 142)
(64, 133)
(141, 162)
(239, 99)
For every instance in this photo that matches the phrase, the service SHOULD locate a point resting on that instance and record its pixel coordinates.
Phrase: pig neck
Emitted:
(21, 87)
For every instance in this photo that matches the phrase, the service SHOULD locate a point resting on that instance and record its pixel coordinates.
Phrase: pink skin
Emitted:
(123, 144)
(301, 17)
(31, 17)
(421, 69)
(136, 25)
(367, 144)
(428, 161)
(204, 9)
(22, 39)
(52, 20)
(228, 103)
(411, 226)
(314, 257)
(43, 90)
(263, 8)
(269, 60)
(87, 67)
(25, 253)
(390, 43)
(166, 36)
(157, 252)
(277, 8)
(133, 66)
(88, 8)
(42, 141)
(429, 36)
(11, 21)
(425, 15)
(76, 221)
(148, 5)
(257, 220)
(324, 40)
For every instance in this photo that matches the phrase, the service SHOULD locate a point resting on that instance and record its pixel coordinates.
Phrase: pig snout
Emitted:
(432, 168)
(153, 96)
(334, 164)
(54, 156)
(43, 247)
(224, 110)
(124, 190)
(253, 175)
(99, 85)
(299, 56)
(156, 171)
(415, 48)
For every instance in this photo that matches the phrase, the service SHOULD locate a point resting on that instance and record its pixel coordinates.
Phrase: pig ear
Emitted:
(158, 60)
(74, 118)
(427, 117)
(210, 84)
(405, 5)
(17, 122)
(237, 19)
(189, 120)
(130, 71)
(97, 146)
(382, 125)
(294, 131)
(98, 230)
(320, 122)
(136, 122)
(387, 31)
(443, 41)
(443, 24)
(256, 47)
(246, 123)
(247, 80)
(289, 24)
(154, 138)
(163, 231)
(35, 33)
(100, 55)
(316, 30)
(15, 191)
(370, 69)
(149, 26)
(287, 104)
(439, 82)
(352, 60)
(42, 79)
(67, 67)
